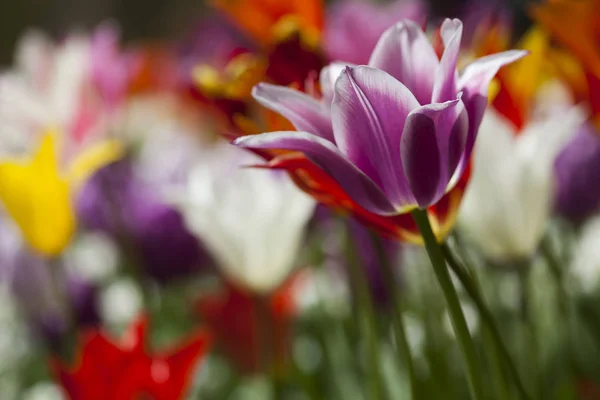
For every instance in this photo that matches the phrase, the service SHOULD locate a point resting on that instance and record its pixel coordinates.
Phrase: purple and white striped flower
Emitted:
(398, 133)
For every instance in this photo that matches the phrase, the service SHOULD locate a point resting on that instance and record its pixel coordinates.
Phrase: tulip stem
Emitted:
(472, 289)
(457, 317)
(402, 345)
(368, 321)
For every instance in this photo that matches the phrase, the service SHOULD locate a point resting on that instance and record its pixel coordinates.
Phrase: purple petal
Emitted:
(405, 52)
(445, 81)
(474, 83)
(328, 157)
(425, 150)
(577, 173)
(303, 111)
(368, 112)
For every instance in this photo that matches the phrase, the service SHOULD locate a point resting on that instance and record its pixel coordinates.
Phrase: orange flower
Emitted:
(576, 24)
(518, 82)
(260, 17)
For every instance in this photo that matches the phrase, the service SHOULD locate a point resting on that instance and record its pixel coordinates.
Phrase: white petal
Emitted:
(251, 220)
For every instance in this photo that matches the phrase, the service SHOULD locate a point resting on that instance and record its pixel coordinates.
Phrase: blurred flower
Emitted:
(49, 303)
(232, 315)
(577, 171)
(260, 18)
(509, 199)
(112, 71)
(345, 41)
(519, 82)
(105, 369)
(118, 201)
(50, 97)
(530, 121)
(37, 197)
(251, 221)
(287, 51)
(422, 94)
(585, 265)
(575, 25)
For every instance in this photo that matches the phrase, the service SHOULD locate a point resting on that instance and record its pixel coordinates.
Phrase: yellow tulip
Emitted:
(38, 196)
(38, 199)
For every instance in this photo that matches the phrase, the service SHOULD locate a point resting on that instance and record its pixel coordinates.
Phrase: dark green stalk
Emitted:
(457, 317)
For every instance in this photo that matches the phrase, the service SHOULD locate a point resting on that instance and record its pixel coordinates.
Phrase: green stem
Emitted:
(474, 293)
(398, 323)
(557, 274)
(500, 386)
(457, 317)
(368, 322)
(529, 329)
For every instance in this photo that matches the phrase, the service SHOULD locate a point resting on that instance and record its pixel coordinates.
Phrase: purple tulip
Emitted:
(577, 172)
(117, 201)
(344, 42)
(399, 132)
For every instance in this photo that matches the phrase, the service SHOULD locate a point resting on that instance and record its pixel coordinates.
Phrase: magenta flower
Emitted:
(398, 133)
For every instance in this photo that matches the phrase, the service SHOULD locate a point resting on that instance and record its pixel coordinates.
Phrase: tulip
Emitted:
(125, 369)
(508, 201)
(398, 133)
(251, 221)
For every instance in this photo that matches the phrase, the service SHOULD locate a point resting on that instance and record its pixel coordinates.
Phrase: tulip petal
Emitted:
(444, 88)
(477, 76)
(327, 79)
(405, 53)
(303, 111)
(424, 150)
(328, 157)
(37, 197)
(368, 112)
(474, 83)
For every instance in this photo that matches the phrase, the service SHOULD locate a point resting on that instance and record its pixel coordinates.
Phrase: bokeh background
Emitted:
(146, 19)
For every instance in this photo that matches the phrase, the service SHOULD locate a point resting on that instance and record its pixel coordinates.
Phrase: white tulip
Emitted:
(509, 197)
(251, 220)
